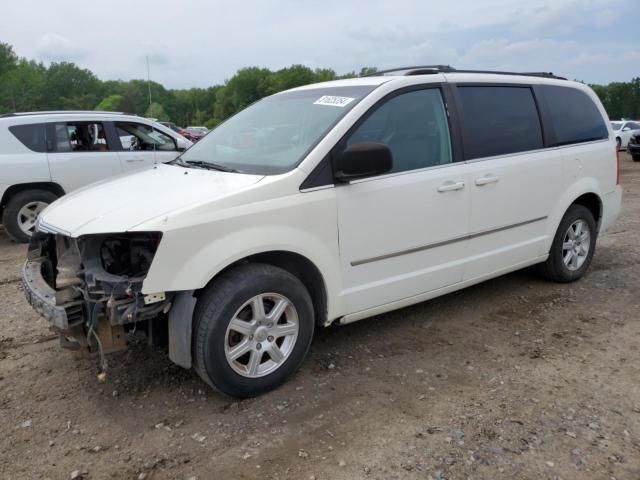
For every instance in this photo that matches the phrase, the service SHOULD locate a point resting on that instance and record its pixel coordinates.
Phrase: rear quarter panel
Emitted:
(589, 167)
(18, 164)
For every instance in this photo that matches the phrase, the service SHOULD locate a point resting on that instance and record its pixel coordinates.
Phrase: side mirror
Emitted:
(363, 160)
(181, 144)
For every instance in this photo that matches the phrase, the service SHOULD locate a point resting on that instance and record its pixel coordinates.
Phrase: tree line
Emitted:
(27, 85)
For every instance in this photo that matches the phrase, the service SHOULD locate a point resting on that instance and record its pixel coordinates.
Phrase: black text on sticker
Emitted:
(334, 101)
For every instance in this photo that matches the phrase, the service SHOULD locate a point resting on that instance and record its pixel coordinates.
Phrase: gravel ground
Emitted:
(514, 378)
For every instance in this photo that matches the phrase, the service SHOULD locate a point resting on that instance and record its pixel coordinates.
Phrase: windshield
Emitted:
(273, 135)
(616, 125)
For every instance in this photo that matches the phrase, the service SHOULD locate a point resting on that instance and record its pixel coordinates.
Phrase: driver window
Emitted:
(414, 127)
(140, 137)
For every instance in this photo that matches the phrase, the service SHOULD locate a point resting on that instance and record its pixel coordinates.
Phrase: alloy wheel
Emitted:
(261, 335)
(576, 245)
(28, 215)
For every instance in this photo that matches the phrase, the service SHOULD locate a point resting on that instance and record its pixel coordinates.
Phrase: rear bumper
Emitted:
(43, 298)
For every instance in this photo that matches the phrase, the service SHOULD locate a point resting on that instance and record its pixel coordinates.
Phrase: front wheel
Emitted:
(636, 158)
(618, 144)
(252, 329)
(573, 246)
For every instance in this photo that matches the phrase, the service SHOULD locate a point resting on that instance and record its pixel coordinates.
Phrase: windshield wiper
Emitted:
(210, 165)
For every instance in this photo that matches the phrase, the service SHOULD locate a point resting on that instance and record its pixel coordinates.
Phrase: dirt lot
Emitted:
(515, 378)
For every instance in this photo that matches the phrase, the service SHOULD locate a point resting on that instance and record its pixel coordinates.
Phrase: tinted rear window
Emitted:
(573, 116)
(499, 120)
(31, 136)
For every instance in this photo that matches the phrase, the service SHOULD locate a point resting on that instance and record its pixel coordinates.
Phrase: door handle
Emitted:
(131, 160)
(487, 179)
(450, 186)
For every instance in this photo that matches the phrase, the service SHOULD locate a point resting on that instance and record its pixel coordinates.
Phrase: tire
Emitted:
(636, 158)
(618, 144)
(234, 296)
(555, 268)
(13, 219)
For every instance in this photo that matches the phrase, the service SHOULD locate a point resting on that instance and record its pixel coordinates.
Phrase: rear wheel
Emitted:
(573, 246)
(636, 158)
(618, 144)
(252, 328)
(22, 210)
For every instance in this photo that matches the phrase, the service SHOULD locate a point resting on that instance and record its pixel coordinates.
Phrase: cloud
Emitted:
(157, 53)
(567, 58)
(547, 20)
(536, 54)
(565, 18)
(206, 41)
(52, 47)
(605, 18)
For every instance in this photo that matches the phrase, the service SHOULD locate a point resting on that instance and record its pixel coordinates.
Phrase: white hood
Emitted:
(121, 203)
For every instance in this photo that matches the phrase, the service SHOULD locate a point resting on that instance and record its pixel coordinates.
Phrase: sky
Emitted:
(199, 43)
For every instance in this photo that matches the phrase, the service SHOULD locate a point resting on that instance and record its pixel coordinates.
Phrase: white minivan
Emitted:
(329, 203)
(44, 155)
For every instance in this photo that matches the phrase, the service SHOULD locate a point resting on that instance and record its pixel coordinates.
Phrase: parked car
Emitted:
(330, 203)
(173, 127)
(195, 133)
(633, 147)
(44, 155)
(623, 130)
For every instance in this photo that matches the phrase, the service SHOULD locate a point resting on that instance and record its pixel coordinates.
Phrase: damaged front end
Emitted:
(90, 288)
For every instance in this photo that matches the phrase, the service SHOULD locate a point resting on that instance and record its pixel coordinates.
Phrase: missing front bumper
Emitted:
(66, 282)
(44, 299)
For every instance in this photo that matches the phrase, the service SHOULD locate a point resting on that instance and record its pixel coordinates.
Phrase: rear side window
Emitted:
(80, 137)
(31, 136)
(499, 120)
(573, 116)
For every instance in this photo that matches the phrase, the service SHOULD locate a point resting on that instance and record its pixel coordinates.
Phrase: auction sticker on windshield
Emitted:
(334, 101)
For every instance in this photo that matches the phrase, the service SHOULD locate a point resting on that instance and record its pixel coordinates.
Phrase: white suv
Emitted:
(326, 204)
(623, 130)
(44, 155)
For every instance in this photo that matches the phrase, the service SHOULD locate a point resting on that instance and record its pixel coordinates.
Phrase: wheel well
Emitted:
(20, 187)
(300, 266)
(593, 203)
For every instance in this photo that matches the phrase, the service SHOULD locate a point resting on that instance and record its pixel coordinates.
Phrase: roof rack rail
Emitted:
(520, 74)
(431, 69)
(410, 70)
(63, 112)
(544, 74)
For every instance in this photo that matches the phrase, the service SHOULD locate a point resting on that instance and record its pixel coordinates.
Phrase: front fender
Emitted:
(189, 257)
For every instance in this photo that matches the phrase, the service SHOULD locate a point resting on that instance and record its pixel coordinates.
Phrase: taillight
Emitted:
(617, 166)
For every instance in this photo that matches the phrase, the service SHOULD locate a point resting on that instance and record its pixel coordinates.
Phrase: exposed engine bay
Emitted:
(96, 285)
